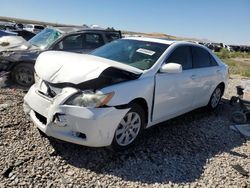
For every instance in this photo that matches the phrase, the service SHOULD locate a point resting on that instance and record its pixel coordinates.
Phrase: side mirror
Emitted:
(171, 68)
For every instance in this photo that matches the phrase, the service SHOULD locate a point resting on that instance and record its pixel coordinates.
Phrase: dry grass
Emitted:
(238, 67)
(238, 62)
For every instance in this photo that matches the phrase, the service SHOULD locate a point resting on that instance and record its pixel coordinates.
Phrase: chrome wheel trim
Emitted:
(216, 97)
(128, 129)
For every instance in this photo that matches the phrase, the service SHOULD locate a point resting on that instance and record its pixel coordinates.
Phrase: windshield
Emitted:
(45, 38)
(139, 54)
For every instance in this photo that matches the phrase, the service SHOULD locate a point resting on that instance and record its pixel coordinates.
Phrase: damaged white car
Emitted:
(108, 97)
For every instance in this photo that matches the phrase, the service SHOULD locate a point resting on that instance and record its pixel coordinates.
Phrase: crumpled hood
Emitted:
(14, 43)
(66, 67)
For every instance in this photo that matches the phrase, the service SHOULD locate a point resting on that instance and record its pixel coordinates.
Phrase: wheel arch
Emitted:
(222, 85)
(143, 103)
(14, 64)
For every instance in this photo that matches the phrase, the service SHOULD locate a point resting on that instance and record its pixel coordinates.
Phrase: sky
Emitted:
(226, 21)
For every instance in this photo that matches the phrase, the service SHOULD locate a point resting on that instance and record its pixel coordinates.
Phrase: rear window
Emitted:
(112, 36)
(72, 42)
(92, 41)
(39, 27)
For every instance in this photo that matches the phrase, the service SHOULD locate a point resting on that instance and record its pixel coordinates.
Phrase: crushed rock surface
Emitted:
(197, 149)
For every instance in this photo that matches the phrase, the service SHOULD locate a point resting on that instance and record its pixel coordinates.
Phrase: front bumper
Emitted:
(85, 126)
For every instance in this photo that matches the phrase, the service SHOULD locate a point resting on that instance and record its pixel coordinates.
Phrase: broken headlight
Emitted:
(89, 99)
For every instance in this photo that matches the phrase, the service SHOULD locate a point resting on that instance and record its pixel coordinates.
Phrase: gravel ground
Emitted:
(197, 149)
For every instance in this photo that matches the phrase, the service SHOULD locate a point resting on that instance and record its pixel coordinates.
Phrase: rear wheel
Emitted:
(129, 129)
(23, 74)
(215, 98)
(233, 101)
(239, 117)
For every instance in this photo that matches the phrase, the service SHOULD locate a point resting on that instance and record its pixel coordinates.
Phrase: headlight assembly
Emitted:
(89, 99)
(7, 53)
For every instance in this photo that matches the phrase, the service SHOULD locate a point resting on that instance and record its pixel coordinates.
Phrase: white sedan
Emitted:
(108, 97)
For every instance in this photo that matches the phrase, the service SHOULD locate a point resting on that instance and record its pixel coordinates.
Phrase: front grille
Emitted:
(41, 118)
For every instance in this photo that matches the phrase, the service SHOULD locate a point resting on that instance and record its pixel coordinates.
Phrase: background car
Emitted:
(108, 97)
(33, 28)
(20, 61)
(7, 33)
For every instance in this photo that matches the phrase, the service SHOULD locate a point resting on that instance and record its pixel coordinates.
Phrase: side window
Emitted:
(112, 36)
(181, 55)
(72, 42)
(201, 57)
(38, 27)
(92, 41)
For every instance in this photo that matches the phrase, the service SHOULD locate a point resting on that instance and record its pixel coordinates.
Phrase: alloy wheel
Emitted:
(216, 97)
(128, 129)
(24, 76)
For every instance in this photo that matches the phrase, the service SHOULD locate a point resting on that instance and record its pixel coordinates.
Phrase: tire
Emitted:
(215, 98)
(23, 74)
(239, 117)
(123, 137)
(233, 101)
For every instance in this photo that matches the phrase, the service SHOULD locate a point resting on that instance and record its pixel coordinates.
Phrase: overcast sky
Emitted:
(225, 21)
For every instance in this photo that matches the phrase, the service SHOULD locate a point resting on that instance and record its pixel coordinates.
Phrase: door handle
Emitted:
(193, 77)
(218, 71)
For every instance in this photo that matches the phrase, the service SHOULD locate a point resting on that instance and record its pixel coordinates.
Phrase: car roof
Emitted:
(164, 41)
(75, 29)
(157, 40)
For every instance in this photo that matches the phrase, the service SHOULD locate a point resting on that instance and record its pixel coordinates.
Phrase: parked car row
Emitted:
(216, 47)
(11, 29)
(23, 33)
(34, 28)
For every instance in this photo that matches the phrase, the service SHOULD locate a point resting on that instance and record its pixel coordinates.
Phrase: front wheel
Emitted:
(23, 74)
(215, 98)
(129, 129)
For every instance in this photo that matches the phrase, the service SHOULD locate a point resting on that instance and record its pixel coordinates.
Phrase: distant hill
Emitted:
(163, 36)
(150, 35)
(25, 21)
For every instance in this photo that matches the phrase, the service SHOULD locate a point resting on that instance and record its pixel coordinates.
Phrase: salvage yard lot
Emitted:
(196, 149)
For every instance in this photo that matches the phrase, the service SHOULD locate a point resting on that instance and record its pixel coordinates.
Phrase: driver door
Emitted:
(173, 91)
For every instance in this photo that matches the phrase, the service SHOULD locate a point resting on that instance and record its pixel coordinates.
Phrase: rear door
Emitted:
(205, 75)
